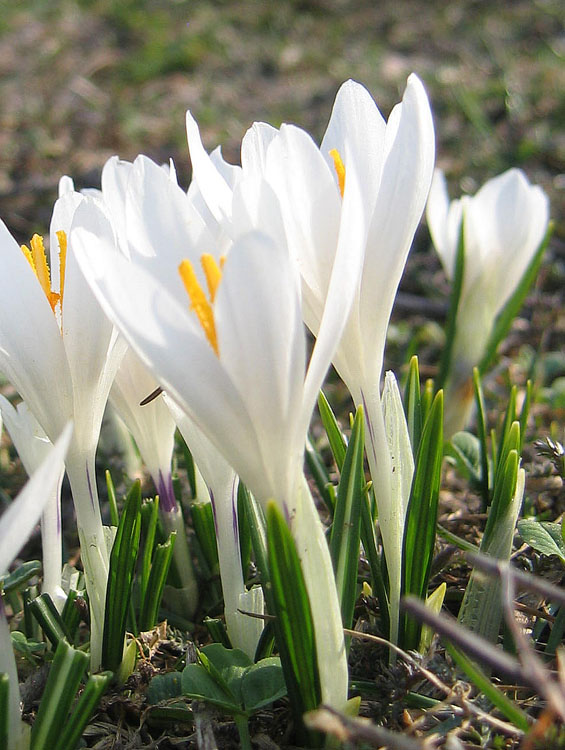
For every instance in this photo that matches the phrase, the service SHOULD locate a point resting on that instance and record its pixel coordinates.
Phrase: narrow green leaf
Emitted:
(203, 523)
(65, 675)
(149, 519)
(18, 578)
(4, 708)
(413, 404)
(48, 617)
(482, 435)
(451, 322)
(112, 502)
(120, 579)
(511, 308)
(525, 413)
(421, 517)
(294, 628)
(509, 416)
(162, 558)
(336, 439)
(257, 528)
(507, 707)
(377, 577)
(89, 699)
(345, 531)
(71, 613)
(245, 546)
(320, 474)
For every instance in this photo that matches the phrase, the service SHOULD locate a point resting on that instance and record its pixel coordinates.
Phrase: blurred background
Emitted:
(80, 81)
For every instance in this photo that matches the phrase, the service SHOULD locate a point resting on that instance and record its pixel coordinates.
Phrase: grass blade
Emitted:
(421, 517)
(85, 707)
(294, 628)
(345, 532)
(121, 576)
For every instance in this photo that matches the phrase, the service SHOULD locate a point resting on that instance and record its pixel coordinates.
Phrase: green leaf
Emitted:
(421, 517)
(4, 708)
(160, 565)
(319, 473)
(263, 683)
(18, 578)
(345, 532)
(112, 502)
(507, 707)
(467, 450)
(226, 666)
(197, 683)
(336, 439)
(203, 522)
(65, 675)
(163, 687)
(48, 617)
(120, 579)
(293, 625)
(545, 537)
(413, 404)
(89, 699)
(482, 434)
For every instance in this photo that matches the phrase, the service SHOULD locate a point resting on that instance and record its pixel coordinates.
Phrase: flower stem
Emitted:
(81, 472)
(317, 568)
(51, 546)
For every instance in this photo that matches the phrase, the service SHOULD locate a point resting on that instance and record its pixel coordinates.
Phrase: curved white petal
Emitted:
(214, 188)
(27, 435)
(18, 521)
(92, 349)
(357, 122)
(151, 425)
(32, 355)
(310, 204)
(262, 346)
(254, 147)
(406, 178)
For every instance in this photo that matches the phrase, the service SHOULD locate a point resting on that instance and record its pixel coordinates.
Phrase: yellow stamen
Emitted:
(339, 168)
(212, 272)
(199, 303)
(38, 261)
(62, 237)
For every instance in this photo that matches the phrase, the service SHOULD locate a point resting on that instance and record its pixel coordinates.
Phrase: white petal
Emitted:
(262, 346)
(405, 183)
(357, 122)
(254, 148)
(18, 521)
(214, 188)
(32, 354)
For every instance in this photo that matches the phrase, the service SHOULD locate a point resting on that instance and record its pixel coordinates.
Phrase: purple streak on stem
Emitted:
(89, 481)
(235, 522)
(167, 498)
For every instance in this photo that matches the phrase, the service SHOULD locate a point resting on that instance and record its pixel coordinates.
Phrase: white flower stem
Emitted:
(82, 477)
(244, 632)
(173, 520)
(390, 514)
(308, 534)
(51, 534)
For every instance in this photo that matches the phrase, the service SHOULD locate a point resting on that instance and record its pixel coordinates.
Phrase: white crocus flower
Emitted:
(61, 353)
(16, 525)
(222, 483)
(33, 447)
(153, 430)
(234, 360)
(394, 161)
(504, 225)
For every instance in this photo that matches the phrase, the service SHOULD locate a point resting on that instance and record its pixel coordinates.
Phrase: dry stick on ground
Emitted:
(464, 706)
(539, 676)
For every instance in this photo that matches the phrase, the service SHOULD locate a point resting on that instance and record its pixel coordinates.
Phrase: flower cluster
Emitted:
(207, 295)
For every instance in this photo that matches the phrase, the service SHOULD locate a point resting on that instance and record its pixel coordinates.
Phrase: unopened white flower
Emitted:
(504, 224)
